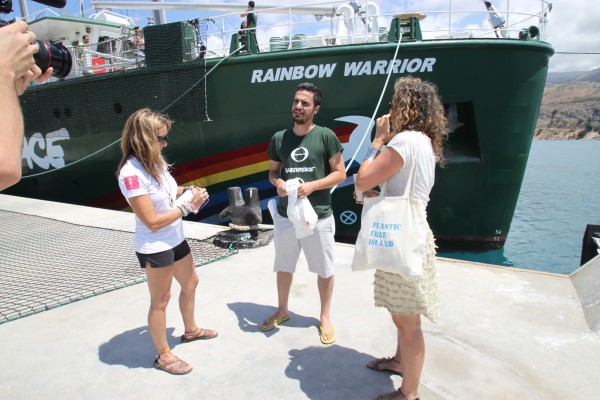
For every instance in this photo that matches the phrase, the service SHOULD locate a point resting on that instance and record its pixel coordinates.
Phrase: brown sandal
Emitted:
(397, 395)
(199, 334)
(175, 367)
(376, 365)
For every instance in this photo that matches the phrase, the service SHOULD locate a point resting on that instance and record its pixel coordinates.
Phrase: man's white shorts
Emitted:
(318, 247)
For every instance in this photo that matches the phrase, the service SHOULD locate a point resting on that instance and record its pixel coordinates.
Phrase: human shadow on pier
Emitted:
(336, 372)
(131, 348)
(251, 315)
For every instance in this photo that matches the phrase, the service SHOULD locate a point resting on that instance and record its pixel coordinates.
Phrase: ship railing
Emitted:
(118, 54)
(284, 29)
(45, 12)
(296, 31)
(277, 31)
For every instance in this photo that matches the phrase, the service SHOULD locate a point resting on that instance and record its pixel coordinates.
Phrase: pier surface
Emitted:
(504, 333)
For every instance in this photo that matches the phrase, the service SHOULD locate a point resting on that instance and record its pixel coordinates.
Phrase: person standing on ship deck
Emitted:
(17, 71)
(84, 55)
(243, 32)
(414, 140)
(314, 155)
(251, 22)
(160, 244)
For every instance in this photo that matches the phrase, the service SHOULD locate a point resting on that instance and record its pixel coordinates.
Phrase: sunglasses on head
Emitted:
(162, 139)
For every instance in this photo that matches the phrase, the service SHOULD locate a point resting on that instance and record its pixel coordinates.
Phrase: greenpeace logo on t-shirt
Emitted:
(289, 170)
(131, 182)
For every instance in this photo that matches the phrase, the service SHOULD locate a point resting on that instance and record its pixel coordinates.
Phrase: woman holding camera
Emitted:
(160, 245)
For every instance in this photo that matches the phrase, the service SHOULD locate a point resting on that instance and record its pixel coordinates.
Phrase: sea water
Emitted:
(560, 195)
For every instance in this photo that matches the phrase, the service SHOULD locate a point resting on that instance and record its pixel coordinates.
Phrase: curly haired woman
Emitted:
(414, 131)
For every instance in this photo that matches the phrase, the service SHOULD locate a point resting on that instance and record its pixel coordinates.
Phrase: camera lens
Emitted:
(56, 56)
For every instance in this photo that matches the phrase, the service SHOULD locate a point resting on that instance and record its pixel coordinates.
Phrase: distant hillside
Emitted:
(566, 77)
(570, 106)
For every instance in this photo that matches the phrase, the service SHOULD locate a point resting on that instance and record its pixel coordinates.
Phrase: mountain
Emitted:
(570, 106)
(566, 77)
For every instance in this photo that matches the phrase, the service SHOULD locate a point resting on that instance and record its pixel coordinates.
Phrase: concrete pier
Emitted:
(504, 333)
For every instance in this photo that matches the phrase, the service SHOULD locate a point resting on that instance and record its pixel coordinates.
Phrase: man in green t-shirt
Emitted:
(313, 154)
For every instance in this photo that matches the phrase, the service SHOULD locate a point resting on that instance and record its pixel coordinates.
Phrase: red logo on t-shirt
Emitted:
(131, 182)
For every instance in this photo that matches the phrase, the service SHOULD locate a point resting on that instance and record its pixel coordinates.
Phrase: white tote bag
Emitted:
(393, 233)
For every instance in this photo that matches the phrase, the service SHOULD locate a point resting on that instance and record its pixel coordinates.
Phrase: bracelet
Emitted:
(183, 211)
(371, 153)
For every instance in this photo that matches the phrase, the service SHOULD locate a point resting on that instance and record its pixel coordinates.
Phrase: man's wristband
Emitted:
(371, 153)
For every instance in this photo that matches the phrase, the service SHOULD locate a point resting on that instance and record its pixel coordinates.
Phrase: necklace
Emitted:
(168, 189)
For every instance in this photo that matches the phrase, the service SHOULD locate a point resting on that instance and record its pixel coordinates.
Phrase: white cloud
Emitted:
(573, 27)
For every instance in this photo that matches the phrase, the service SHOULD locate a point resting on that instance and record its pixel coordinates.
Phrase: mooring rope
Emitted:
(368, 129)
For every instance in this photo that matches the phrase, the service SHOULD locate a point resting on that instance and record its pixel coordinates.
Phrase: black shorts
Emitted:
(164, 258)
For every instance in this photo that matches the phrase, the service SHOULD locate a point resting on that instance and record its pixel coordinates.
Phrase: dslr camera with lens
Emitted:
(49, 55)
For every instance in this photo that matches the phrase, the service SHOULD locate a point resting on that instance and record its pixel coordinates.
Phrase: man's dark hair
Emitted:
(251, 4)
(309, 87)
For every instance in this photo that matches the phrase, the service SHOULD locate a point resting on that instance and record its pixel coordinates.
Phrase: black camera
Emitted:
(49, 55)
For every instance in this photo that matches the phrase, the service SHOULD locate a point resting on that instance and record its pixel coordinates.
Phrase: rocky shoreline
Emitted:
(570, 110)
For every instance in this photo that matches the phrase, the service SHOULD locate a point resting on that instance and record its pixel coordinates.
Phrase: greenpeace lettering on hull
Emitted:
(44, 152)
(355, 68)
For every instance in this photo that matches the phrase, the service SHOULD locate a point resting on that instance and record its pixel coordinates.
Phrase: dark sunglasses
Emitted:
(162, 139)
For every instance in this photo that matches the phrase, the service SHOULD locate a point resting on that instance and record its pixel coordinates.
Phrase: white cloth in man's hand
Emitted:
(300, 212)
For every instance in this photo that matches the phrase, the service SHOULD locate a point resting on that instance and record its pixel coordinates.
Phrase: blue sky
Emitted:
(572, 27)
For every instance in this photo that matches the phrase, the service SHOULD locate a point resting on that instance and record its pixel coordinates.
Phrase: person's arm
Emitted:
(335, 177)
(374, 171)
(275, 178)
(17, 69)
(34, 74)
(16, 49)
(11, 132)
(144, 209)
(195, 190)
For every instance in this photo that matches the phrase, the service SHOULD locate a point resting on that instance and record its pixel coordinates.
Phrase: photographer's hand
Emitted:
(17, 47)
(34, 74)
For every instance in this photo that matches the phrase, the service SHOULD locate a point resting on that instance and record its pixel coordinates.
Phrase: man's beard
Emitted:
(299, 119)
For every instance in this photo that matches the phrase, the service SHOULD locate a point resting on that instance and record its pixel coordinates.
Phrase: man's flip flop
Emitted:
(376, 365)
(266, 324)
(323, 334)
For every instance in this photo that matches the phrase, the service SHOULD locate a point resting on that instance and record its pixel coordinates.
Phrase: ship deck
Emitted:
(504, 333)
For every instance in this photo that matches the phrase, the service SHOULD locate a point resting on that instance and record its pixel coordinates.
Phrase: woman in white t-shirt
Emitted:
(159, 204)
(413, 131)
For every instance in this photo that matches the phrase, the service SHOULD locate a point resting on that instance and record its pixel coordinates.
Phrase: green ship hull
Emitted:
(226, 110)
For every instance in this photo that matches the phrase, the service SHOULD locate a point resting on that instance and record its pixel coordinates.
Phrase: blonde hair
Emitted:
(140, 139)
(416, 106)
